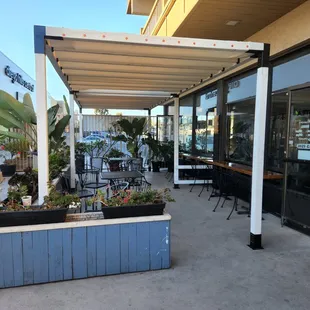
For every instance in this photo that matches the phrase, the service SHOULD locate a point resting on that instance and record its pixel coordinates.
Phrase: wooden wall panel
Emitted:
(52, 255)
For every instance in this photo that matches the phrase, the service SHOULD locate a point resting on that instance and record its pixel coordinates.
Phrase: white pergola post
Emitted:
(81, 125)
(42, 120)
(176, 142)
(259, 157)
(72, 143)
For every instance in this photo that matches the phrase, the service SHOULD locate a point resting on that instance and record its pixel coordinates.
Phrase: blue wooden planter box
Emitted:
(64, 251)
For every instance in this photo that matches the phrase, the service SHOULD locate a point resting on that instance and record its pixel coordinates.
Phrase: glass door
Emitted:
(164, 128)
(296, 202)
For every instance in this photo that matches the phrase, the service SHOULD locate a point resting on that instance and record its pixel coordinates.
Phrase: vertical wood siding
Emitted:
(75, 253)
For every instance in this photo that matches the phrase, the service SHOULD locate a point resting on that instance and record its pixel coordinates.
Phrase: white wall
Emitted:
(13, 88)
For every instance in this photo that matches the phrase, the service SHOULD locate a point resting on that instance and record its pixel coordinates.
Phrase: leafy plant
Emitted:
(14, 114)
(58, 160)
(21, 116)
(29, 179)
(20, 147)
(80, 148)
(101, 111)
(133, 198)
(131, 133)
(15, 194)
(57, 200)
(115, 153)
(167, 151)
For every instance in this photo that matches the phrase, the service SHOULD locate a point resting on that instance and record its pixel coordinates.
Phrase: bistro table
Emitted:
(116, 175)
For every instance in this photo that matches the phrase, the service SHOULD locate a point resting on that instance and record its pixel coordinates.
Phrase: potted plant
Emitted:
(156, 157)
(54, 209)
(114, 164)
(80, 150)
(29, 179)
(167, 150)
(129, 203)
(8, 168)
(132, 134)
(58, 160)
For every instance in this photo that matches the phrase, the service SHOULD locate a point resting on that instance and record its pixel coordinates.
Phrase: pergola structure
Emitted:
(128, 71)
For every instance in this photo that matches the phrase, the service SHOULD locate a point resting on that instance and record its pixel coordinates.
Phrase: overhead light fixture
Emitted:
(232, 22)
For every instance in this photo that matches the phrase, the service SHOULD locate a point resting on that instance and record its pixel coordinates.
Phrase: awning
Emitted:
(91, 62)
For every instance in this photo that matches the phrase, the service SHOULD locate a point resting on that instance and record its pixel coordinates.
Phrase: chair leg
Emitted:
(220, 196)
(203, 186)
(232, 209)
(213, 191)
(225, 198)
(193, 185)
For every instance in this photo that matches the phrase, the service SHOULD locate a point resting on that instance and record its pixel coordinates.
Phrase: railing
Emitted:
(156, 12)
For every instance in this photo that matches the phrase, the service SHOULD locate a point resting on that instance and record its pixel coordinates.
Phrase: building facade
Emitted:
(217, 115)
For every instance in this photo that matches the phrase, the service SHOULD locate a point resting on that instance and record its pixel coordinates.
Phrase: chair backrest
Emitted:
(65, 183)
(115, 190)
(136, 164)
(97, 162)
(140, 185)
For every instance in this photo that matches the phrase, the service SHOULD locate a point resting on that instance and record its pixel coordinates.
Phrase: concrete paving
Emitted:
(212, 268)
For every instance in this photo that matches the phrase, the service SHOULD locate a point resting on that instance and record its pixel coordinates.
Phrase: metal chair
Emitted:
(205, 174)
(115, 190)
(227, 188)
(141, 185)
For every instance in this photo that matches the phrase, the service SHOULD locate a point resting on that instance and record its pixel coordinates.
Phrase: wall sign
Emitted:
(16, 77)
(231, 85)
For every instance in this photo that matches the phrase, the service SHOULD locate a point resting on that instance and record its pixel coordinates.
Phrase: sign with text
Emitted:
(16, 77)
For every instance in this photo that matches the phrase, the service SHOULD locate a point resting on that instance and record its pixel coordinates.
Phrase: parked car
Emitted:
(92, 139)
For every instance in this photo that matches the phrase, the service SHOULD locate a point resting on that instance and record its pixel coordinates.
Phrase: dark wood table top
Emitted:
(243, 169)
(121, 175)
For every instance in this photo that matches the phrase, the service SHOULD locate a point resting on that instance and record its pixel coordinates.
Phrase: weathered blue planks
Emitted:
(160, 245)
(41, 259)
(79, 256)
(55, 257)
(17, 254)
(91, 251)
(43, 256)
(67, 253)
(124, 248)
(101, 251)
(7, 261)
(28, 256)
(143, 246)
(113, 250)
(132, 244)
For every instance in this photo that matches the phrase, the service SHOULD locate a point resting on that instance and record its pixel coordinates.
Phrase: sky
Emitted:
(19, 16)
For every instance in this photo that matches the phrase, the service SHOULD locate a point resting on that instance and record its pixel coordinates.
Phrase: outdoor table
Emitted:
(121, 158)
(114, 175)
(243, 169)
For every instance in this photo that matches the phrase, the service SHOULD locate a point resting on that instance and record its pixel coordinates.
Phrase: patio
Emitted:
(211, 267)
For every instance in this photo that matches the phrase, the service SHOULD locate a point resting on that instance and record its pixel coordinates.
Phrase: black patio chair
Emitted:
(227, 188)
(114, 190)
(66, 188)
(204, 174)
(141, 185)
(89, 178)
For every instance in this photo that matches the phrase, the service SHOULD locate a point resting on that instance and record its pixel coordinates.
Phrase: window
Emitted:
(186, 124)
(277, 133)
(291, 73)
(204, 131)
(240, 130)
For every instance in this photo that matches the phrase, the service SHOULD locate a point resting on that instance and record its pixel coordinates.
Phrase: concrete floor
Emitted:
(212, 268)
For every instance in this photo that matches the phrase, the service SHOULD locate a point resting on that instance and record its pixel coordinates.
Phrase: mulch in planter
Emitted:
(32, 217)
(133, 211)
